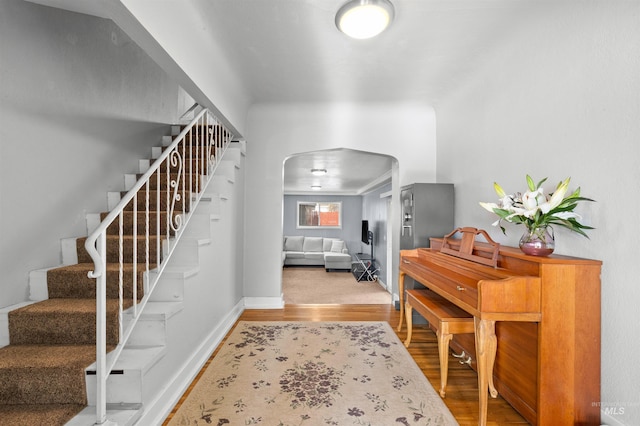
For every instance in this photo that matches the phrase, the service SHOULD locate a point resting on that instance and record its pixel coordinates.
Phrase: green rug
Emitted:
(313, 373)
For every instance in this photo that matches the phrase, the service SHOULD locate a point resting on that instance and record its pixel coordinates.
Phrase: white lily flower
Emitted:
(545, 207)
(489, 206)
(567, 215)
(506, 202)
(531, 200)
(532, 208)
(508, 218)
(558, 194)
(522, 212)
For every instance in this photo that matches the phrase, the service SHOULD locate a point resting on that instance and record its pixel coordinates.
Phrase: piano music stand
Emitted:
(465, 249)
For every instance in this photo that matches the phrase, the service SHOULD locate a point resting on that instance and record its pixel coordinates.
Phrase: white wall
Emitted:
(183, 39)
(183, 42)
(558, 97)
(79, 104)
(275, 131)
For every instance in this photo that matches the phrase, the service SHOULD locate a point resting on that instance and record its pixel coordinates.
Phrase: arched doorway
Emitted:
(361, 183)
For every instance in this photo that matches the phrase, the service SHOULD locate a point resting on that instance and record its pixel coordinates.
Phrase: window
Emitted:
(319, 214)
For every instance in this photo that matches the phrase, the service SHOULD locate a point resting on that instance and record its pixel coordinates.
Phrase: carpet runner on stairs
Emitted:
(52, 342)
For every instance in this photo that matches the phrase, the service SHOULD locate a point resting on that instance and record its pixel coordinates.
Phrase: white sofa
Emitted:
(332, 253)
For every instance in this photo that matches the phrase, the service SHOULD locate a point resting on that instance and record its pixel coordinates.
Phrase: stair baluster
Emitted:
(200, 145)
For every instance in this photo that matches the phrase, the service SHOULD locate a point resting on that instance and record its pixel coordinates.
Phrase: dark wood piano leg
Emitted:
(401, 297)
(486, 345)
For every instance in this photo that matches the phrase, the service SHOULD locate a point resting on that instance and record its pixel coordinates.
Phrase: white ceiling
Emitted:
(349, 172)
(291, 51)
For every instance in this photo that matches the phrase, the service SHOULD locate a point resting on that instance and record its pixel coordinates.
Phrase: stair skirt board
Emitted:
(157, 410)
(118, 414)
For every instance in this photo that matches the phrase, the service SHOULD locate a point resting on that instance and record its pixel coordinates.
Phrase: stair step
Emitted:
(126, 381)
(165, 200)
(71, 281)
(150, 329)
(199, 227)
(40, 414)
(144, 165)
(193, 151)
(228, 169)
(196, 181)
(156, 311)
(141, 223)
(114, 198)
(4, 321)
(176, 129)
(187, 253)
(220, 185)
(61, 322)
(94, 220)
(191, 162)
(59, 378)
(128, 244)
(211, 202)
(171, 288)
(198, 132)
(234, 153)
(138, 360)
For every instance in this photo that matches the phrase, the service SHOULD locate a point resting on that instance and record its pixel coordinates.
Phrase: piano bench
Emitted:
(444, 316)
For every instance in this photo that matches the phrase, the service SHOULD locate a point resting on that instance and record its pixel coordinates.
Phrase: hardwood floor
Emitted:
(462, 386)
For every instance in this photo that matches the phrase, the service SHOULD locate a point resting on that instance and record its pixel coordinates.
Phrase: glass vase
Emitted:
(538, 241)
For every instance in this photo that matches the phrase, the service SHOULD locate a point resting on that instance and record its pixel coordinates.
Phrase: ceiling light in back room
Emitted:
(316, 187)
(363, 19)
(318, 172)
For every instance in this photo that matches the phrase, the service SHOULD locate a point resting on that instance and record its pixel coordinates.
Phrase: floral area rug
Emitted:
(313, 373)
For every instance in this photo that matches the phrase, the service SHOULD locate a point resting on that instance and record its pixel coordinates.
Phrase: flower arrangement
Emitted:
(537, 211)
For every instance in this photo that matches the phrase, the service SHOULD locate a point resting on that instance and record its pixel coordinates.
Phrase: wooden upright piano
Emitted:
(537, 339)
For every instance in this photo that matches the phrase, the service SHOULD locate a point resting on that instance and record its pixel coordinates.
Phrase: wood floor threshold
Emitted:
(462, 386)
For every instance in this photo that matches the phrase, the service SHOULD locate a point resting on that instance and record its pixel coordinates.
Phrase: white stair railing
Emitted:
(159, 207)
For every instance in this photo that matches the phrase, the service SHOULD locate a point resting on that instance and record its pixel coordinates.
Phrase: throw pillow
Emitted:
(312, 244)
(293, 243)
(326, 244)
(337, 246)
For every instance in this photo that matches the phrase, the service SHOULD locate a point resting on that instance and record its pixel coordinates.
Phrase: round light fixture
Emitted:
(363, 19)
(316, 187)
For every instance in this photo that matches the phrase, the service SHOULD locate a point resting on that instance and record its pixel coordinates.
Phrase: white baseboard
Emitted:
(384, 285)
(156, 411)
(264, 302)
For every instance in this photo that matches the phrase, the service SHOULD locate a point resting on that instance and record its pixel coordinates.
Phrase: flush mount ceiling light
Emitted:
(364, 18)
(318, 172)
(316, 187)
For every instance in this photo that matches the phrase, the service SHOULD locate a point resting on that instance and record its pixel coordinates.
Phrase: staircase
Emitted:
(48, 372)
